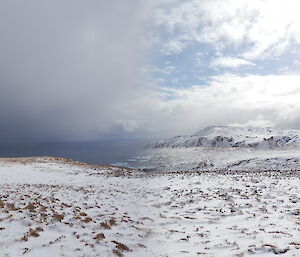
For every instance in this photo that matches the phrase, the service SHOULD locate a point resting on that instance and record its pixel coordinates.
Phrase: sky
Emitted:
(88, 70)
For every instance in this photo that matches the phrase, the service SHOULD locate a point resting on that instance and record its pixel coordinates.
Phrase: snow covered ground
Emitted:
(212, 158)
(54, 207)
(228, 148)
(242, 137)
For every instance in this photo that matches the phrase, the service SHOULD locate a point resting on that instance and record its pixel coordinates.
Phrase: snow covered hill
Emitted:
(53, 207)
(227, 136)
(228, 148)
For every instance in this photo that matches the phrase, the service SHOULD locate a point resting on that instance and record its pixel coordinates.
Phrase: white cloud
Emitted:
(166, 70)
(172, 47)
(258, 122)
(283, 69)
(257, 28)
(230, 62)
(241, 33)
(227, 99)
(296, 62)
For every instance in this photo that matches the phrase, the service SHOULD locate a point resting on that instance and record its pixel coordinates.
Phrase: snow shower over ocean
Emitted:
(117, 152)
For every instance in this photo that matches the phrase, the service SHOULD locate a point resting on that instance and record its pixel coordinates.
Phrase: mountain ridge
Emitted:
(237, 137)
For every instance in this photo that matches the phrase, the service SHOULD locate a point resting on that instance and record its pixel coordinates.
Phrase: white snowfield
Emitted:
(230, 148)
(55, 207)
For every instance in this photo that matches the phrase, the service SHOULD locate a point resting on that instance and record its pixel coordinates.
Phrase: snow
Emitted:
(227, 136)
(55, 207)
(228, 148)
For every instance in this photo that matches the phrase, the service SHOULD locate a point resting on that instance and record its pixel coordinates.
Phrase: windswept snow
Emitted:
(54, 207)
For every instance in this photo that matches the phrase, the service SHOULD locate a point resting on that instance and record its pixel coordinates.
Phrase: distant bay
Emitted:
(128, 153)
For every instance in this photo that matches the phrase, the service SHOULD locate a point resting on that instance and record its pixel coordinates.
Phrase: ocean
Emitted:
(126, 153)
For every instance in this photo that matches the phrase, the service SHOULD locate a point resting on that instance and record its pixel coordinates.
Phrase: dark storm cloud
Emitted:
(66, 67)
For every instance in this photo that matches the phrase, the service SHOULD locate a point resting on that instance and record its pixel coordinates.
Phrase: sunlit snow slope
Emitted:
(226, 147)
(227, 136)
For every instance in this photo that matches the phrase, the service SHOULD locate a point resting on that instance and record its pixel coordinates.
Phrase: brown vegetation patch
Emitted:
(87, 220)
(2, 204)
(117, 252)
(99, 237)
(121, 246)
(30, 207)
(10, 207)
(58, 217)
(104, 225)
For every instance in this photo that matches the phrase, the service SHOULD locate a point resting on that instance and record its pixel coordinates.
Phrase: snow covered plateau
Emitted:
(52, 207)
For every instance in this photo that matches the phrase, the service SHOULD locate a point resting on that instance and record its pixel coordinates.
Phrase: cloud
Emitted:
(271, 100)
(73, 70)
(258, 122)
(230, 62)
(67, 67)
(165, 70)
(257, 30)
(172, 47)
